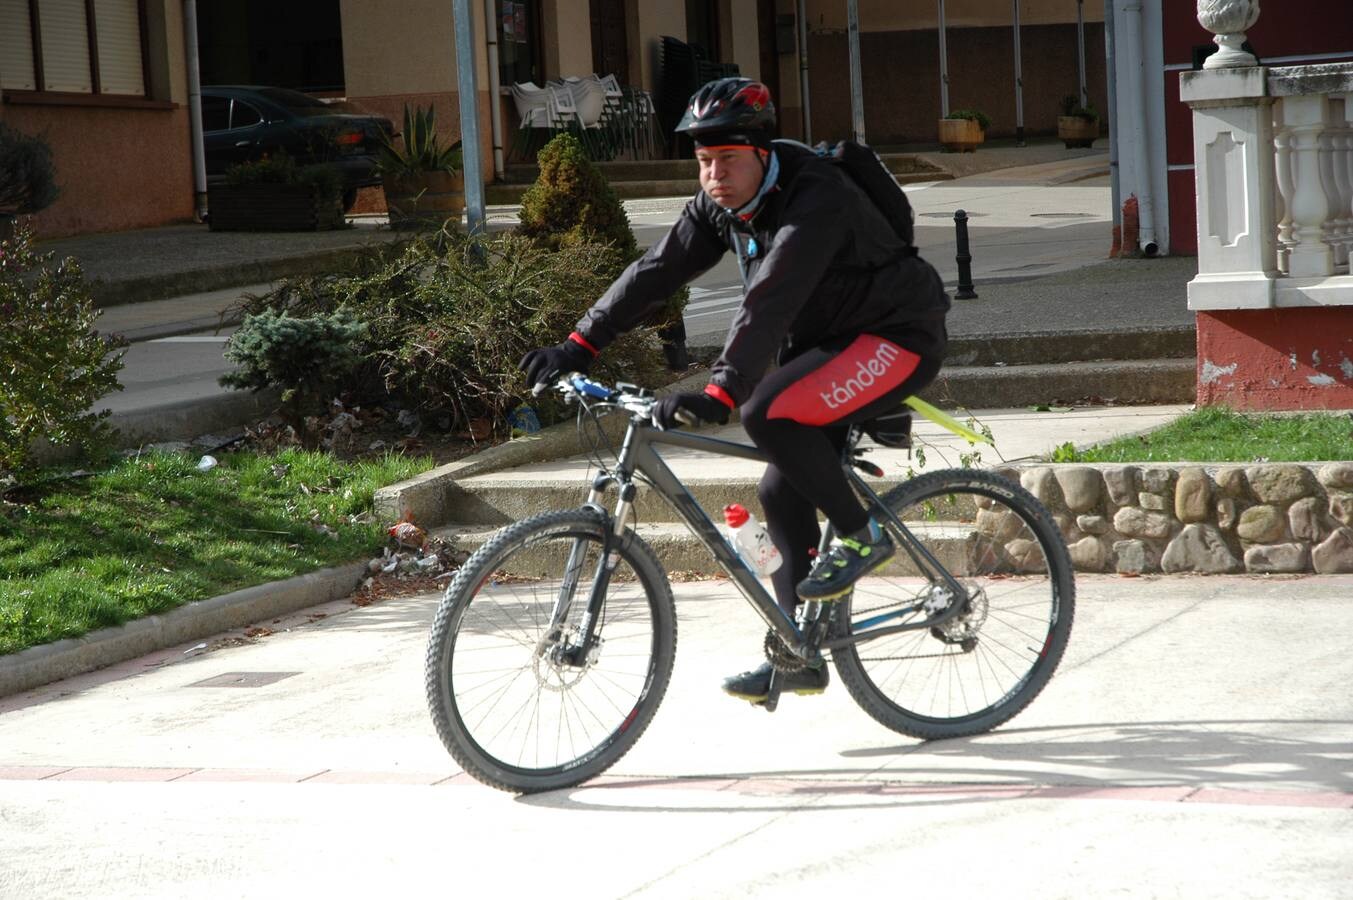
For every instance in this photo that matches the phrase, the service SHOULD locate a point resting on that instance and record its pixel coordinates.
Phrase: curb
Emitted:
(197, 281)
(426, 497)
(37, 666)
(181, 421)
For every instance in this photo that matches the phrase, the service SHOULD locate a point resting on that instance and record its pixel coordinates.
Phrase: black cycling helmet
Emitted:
(730, 111)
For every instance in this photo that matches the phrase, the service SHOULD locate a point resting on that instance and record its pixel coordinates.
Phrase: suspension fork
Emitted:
(612, 536)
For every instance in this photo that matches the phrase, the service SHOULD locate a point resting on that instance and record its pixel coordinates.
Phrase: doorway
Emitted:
(610, 46)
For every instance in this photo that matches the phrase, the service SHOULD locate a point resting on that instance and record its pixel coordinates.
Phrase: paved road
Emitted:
(1197, 742)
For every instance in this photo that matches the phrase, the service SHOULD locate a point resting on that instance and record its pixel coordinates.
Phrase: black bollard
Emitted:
(964, 258)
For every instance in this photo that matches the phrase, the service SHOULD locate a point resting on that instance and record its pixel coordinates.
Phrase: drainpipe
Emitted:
(495, 88)
(1080, 49)
(856, 81)
(195, 110)
(1141, 123)
(944, 65)
(803, 72)
(1111, 72)
(1019, 83)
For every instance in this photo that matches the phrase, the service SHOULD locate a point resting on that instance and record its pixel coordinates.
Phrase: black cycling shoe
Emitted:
(754, 686)
(846, 563)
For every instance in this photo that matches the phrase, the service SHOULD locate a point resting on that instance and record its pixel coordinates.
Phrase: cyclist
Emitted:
(853, 315)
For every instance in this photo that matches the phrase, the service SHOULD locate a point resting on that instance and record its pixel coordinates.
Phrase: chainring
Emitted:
(781, 657)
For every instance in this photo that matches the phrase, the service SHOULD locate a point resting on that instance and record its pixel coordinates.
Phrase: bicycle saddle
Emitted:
(892, 429)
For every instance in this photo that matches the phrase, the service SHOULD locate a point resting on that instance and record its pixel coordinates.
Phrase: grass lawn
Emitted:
(1216, 434)
(152, 533)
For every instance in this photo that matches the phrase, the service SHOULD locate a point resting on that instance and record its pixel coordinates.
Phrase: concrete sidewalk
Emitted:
(1194, 743)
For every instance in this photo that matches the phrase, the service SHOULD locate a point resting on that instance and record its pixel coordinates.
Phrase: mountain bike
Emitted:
(553, 645)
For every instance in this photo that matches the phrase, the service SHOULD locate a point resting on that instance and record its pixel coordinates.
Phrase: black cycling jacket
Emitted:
(824, 265)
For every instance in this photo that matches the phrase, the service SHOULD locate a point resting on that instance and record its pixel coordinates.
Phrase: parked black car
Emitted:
(242, 123)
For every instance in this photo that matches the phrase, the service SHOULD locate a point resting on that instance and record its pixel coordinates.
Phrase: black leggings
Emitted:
(800, 415)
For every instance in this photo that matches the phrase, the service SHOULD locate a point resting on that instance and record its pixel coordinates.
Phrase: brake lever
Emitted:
(685, 418)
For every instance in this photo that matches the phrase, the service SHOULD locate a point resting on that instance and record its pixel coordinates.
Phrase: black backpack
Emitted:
(865, 168)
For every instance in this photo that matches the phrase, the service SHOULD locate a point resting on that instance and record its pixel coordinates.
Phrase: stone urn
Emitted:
(1229, 20)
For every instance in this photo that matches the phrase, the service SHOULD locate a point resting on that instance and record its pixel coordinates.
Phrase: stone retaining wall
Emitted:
(1208, 519)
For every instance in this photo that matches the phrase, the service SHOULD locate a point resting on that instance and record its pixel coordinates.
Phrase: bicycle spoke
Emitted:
(933, 679)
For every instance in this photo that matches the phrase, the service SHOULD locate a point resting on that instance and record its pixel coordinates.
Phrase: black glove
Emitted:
(544, 365)
(697, 407)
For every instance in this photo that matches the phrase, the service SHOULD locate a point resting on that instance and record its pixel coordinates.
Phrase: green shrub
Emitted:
(281, 168)
(1071, 107)
(972, 115)
(572, 203)
(304, 356)
(450, 317)
(53, 365)
(27, 175)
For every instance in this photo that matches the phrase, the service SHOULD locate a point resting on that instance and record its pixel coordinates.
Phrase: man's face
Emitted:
(730, 175)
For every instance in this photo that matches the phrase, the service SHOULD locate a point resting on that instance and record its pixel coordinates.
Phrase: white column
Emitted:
(1233, 140)
(1306, 117)
(1342, 172)
(1283, 162)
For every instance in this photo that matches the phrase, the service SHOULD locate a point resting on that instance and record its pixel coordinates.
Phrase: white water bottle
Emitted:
(749, 538)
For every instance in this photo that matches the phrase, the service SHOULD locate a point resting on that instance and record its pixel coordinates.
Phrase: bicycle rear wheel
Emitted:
(508, 702)
(983, 667)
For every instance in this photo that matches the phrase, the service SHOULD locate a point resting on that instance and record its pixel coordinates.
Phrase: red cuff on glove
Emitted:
(721, 395)
(581, 341)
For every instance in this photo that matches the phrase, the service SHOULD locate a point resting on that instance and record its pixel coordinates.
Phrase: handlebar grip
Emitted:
(539, 388)
(685, 418)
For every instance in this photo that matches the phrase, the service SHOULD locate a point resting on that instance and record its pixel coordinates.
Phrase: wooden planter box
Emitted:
(273, 207)
(1075, 131)
(961, 135)
(426, 200)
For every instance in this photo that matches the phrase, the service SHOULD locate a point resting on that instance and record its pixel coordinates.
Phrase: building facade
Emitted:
(106, 81)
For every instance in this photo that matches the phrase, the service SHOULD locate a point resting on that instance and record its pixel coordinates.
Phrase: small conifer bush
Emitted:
(571, 203)
(53, 365)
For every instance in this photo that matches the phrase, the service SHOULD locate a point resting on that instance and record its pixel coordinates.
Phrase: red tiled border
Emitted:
(764, 787)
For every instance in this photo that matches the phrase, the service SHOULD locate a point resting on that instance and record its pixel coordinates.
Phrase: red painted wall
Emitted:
(1294, 28)
(1270, 359)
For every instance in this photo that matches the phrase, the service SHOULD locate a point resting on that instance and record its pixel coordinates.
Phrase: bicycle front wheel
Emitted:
(512, 700)
(985, 665)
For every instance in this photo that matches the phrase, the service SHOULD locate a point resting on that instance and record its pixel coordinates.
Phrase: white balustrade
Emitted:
(1273, 150)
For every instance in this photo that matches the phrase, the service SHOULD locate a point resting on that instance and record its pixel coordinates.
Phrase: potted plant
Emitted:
(963, 129)
(275, 194)
(422, 180)
(1077, 126)
(27, 177)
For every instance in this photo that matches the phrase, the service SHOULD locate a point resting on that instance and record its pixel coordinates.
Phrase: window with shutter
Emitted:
(118, 25)
(16, 47)
(73, 47)
(65, 46)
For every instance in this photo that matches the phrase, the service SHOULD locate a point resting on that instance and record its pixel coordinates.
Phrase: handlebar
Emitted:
(633, 399)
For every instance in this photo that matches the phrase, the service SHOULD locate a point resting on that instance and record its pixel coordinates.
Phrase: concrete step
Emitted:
(510, 194)
(1034, 348)
(1141, 381)
(497, 500)
(900, 164)
(680, 551)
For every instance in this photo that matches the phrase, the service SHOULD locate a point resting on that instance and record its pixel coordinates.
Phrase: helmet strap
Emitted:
(770, 173)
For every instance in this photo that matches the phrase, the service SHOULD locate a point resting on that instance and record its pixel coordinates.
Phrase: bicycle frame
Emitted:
(638, 454)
